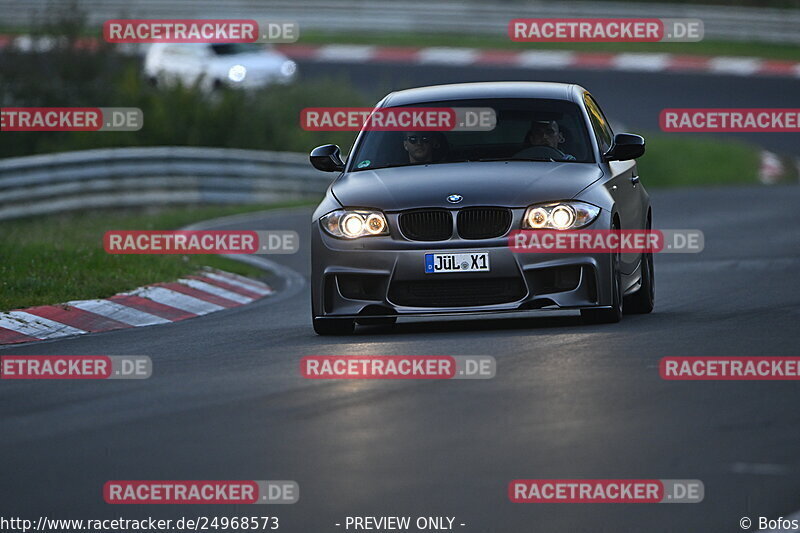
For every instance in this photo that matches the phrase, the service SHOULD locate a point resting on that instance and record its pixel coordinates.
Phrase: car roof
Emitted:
(478, 90)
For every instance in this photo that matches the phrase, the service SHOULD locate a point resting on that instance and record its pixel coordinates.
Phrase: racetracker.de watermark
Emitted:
(606, 241)
(753, 120)
(398, 119)
(605, 30)
(71, 119)
(201, 492)
(606, 491)
(75, 367)
(730, 368)
(201, 242)
(218, 31)
(398, 367)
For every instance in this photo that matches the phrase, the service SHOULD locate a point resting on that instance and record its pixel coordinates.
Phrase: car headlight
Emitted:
(560, 215)
(237, 73)
(351, 224)
(288, 68)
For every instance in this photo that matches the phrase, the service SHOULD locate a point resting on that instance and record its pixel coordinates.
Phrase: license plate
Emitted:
(469, 262)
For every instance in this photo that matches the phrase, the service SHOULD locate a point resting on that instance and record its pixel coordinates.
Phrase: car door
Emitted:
(623, 183)
(185, 62)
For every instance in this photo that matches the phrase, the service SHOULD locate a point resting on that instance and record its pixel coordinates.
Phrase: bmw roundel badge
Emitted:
(454, 198)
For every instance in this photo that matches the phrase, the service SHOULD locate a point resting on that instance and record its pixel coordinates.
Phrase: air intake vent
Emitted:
(483, 222)
(456, 292)
(427, 225)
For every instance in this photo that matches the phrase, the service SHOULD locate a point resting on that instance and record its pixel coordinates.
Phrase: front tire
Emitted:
(333, 326)
(642, 301)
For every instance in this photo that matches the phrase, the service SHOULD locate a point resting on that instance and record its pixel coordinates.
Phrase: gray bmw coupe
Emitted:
(417, 223)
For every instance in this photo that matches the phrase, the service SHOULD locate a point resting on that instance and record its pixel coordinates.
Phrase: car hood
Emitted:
(509, 184)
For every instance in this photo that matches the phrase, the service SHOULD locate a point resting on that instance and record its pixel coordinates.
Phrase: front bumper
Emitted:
(382, 276)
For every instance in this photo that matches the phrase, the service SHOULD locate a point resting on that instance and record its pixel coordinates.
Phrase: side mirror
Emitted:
(327, 158)
(626, 146)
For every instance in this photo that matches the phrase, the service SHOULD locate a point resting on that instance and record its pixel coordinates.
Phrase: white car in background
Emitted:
(212, 66)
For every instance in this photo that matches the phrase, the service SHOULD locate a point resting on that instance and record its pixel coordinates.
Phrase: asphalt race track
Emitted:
(226, 400)
(569, 401)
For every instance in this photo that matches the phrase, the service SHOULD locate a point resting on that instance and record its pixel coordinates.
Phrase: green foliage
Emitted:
(74, 75)
(691, 160)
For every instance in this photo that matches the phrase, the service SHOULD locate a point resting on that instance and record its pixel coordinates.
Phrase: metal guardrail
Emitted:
(453, 16)
(115, 177)
(133, 177)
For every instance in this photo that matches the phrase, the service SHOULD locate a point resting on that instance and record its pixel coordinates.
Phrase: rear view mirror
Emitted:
(626, 146)
(327, 158)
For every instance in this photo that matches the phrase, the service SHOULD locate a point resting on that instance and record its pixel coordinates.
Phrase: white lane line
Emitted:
(217, 291)
(447, 56)
(761, 469)
(541, 59)
(345, 52)
(36, 326)
(181, 301)
(743, 66)
(235, 282)
(641, 62)
(119, 312)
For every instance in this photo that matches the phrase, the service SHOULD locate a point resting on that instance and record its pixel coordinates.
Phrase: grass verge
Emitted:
(57, 258)
(686, 160)
(503, 42)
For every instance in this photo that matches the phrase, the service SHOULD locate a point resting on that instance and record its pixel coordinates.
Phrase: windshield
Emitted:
(230, 49)
(527, 130)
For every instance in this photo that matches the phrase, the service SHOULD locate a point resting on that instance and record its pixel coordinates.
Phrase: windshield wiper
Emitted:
(412, 164)
(391, 166)
(487, 159)
(541, 160)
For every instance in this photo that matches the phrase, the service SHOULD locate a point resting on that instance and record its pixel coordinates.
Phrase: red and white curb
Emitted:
(543, 59)
(161, 303)
(775, 169)
(456, 56)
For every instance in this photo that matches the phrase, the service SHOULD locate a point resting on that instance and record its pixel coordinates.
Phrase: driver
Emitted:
(544, 134)
(421, 146)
